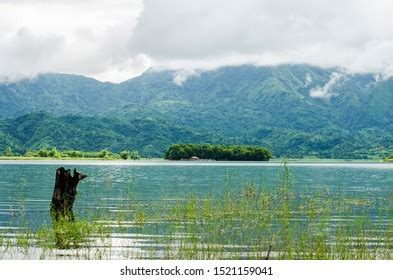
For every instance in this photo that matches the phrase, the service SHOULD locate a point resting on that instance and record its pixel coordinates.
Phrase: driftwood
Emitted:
(63, 199)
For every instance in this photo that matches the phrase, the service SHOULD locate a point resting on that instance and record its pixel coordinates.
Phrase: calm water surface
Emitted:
(112, 186)
(27, 186)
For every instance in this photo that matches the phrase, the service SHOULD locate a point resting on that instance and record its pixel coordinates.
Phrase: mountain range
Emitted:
(293, 110)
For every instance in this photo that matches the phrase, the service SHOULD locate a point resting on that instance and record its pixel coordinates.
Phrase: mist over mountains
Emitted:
(293, 110)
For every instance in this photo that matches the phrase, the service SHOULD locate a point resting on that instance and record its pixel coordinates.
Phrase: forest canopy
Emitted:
(217, 152)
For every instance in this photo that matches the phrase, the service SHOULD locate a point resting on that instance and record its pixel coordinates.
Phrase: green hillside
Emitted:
(267, 106)
(150, 137)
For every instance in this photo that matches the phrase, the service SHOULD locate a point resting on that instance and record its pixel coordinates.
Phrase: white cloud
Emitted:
(181, 76)
(308, 80)
(354, 34)
(325, 92)
(84, 37)
(24, 52)
(125, 69)
(115, 40)
(385, 74)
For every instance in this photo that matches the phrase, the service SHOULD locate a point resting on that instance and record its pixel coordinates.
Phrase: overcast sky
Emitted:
(114, 40)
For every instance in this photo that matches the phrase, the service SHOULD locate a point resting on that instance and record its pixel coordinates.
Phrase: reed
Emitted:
(252, 222)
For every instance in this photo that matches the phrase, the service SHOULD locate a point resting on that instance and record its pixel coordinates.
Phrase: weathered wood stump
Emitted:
(63, 199)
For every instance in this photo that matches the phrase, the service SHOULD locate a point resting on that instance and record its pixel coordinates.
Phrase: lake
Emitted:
(26, 186)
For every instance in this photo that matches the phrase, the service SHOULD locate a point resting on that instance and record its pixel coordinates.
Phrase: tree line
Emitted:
(54, 153)
(217, 152)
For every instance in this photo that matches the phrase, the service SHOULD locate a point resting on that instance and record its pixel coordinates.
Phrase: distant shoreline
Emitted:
(187, 162)
(66, 158)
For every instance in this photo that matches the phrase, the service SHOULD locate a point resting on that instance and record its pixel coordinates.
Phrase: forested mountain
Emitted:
(151, 137)
(293, 110)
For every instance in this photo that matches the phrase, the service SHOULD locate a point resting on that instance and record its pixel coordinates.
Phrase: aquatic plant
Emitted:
(253, 222)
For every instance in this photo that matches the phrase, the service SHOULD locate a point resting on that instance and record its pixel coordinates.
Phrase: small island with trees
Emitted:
(217, 152)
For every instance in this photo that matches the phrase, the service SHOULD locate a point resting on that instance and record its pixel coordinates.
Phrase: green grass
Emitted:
(253, 222)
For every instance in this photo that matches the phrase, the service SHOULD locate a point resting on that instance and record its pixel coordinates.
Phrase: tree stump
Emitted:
(63, 199)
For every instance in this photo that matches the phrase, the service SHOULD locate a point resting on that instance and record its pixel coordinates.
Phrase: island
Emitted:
(217, 152)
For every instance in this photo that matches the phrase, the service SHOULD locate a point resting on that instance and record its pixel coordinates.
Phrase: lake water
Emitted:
(26, 186)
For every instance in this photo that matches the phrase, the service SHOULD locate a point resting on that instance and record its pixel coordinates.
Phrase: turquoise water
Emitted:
(117, 188)
(26, 187)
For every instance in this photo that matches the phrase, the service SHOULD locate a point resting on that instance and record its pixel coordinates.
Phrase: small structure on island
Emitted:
(194, 158)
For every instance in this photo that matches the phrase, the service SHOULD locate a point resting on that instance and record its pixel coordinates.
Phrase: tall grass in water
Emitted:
(277, 223)
(253, 222)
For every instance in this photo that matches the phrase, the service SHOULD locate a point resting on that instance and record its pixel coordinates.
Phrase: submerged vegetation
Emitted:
(54, 153)
(253, 222)
(217, 152)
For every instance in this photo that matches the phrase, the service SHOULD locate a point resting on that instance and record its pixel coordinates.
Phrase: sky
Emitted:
(119, 39)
